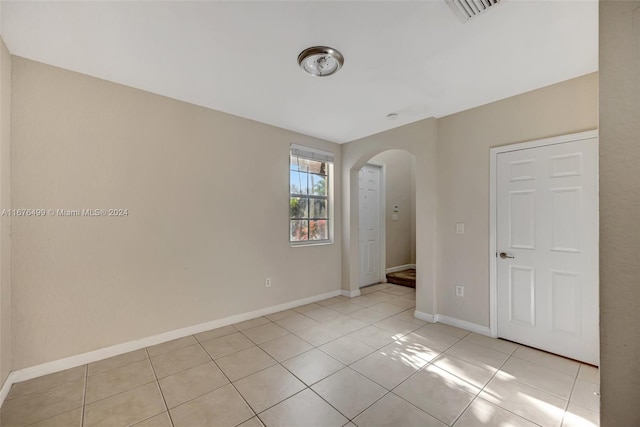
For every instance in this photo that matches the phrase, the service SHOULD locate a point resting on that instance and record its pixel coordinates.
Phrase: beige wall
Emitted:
(204, 190)
(419, 139)
(399, 191)
(620, 212)
(5, 221)
(464, 140)
(452, 179)
(207, 195)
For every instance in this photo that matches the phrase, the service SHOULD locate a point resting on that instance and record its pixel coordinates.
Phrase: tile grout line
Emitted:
(194, 398)
(231, 383)
(329, 403)
(115, 394)
(214, 338)
(46, 388)
(573, 387)
(308, 386)
(153, 369)
(499, 406)
(481, 389)
(348, 366)
(519, 381)
(54, 386)
(575, 378)
(356, 330)
(84, 395)
(280, 363)
(376, 349)
(547, 354)
(117, 367)
(321, 323)
(148, 357)
(279, 402)
(430, 363)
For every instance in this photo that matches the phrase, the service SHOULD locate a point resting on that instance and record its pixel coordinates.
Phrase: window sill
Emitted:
(308, 243)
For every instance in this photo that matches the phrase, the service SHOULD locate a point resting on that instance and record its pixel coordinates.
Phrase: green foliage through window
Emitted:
(309, 201)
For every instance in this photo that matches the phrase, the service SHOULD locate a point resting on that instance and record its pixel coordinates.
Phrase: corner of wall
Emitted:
(619, 211)
(6, 330)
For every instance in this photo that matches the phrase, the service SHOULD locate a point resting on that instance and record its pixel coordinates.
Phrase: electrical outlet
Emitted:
(459, 227)
(459, 290)
(267, 282)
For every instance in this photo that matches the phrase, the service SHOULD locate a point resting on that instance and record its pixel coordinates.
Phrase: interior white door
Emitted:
(547, 248)
(369, 230)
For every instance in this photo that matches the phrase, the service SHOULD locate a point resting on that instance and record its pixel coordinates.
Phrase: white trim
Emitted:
(452, 321)
(330, 201)
(103, 353)
(6, 387)
(400, 268)
(463, 324)
(424, 316)
(383, 223)
(493, 272)
(306, 151)
(546, 141)
(350, 294)
(493, 227)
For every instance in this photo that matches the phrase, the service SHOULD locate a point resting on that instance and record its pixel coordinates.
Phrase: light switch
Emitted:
(394, 217)
(459, 227)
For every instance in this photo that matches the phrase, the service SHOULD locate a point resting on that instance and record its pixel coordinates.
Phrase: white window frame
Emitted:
(323, 156)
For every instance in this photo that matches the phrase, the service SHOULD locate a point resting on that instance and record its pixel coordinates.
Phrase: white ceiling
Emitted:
(414, 58)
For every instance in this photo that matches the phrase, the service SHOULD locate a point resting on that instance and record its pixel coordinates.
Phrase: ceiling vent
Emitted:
(467, 9)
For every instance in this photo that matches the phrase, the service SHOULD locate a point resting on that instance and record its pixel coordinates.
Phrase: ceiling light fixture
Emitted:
(320, 61)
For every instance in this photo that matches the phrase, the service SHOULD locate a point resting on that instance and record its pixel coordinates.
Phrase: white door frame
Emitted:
(493, 226)
(382, 273)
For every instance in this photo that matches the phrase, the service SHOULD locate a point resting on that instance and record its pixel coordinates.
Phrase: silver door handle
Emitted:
(504, 255)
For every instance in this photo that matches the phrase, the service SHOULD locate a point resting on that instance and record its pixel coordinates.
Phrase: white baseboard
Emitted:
(452, 321)
(424, 316)
(350, 294)
(115, 350)
(6, 387)
(400, 268)
(463, 324)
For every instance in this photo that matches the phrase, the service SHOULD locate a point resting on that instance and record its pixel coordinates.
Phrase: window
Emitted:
(309, 195)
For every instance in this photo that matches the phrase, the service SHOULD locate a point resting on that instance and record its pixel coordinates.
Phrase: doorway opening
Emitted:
(387, 228)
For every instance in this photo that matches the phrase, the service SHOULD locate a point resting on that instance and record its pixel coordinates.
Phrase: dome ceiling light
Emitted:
(320, 61)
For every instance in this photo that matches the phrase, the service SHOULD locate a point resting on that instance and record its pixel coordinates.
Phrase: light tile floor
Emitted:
(363, 361)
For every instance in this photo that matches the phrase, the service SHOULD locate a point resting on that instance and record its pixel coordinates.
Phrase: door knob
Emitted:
(505, 255)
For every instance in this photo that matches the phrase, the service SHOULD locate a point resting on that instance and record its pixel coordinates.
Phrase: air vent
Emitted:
(467, 9)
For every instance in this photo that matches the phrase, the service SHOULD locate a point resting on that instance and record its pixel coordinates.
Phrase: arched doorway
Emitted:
(419, 139)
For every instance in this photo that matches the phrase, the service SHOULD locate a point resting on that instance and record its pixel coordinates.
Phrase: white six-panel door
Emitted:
(547, 248)
(369, 231)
